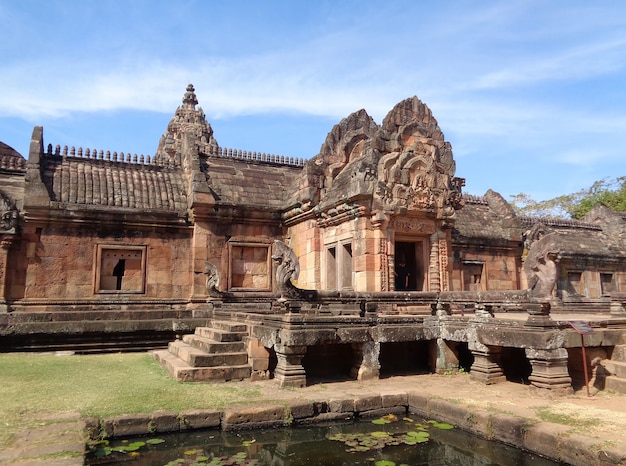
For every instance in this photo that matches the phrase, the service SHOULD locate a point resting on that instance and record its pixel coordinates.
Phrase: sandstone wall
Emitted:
(60, 263)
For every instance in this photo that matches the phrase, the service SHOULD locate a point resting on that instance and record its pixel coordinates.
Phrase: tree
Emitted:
(609, 192)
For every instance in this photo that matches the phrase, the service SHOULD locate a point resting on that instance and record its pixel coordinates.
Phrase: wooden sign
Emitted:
(582, 327)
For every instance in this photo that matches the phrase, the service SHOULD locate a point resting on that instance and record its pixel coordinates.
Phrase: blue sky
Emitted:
(531, 94)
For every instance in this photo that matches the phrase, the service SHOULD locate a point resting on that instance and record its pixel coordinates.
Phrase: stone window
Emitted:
(473, 279)
(575, 282)
(607, 284)
(339, 266)
(120, 269)
(249, 267)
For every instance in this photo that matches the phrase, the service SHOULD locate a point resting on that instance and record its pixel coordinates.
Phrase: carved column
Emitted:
(487, 367)
(433, 266)
(289, 370)
(5, 244)
(549, 368)
(366, 364)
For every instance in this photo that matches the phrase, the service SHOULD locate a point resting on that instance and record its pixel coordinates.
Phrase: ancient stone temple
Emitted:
(362, 260)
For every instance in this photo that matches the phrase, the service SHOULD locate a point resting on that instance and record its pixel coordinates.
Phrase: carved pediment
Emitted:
(405, 164)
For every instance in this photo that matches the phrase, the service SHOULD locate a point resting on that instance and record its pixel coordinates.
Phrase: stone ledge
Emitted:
(554, 441)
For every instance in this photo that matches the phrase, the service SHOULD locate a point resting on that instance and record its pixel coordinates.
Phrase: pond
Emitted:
(387, 441)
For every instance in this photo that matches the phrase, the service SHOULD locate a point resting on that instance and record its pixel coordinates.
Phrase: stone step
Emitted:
(619, 353)
(197, 358)
(211, 346)
(235, 327)
(220, 335)
(615, 384)
(182, 372)
(616, 368)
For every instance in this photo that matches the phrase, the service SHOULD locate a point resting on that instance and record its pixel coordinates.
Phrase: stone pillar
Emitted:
(433, 265)
(366, 364)
(487, 367)
(549, 368)
(5, 244)
(289, 370)
(539, 315)
(446, 358)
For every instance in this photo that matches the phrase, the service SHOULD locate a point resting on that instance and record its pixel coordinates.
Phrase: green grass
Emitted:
(38, 385)
(546, 413)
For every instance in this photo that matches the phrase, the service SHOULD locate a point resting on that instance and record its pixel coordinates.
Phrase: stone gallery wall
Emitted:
(69, 263)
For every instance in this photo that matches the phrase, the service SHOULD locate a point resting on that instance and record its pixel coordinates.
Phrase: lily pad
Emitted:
(443, 425)
(381, 421)
(154, 441)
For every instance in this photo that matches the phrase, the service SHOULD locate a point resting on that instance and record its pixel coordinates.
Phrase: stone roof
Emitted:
(249, 183)
(588, 243)
(94, 182)
(477, 220)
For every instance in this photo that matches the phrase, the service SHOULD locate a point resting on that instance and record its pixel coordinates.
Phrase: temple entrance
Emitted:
(409, 266)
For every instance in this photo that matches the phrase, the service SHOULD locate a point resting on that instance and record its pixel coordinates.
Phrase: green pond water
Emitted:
(387, 441)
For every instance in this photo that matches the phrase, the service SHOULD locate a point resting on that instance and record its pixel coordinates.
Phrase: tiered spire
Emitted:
(188, 133)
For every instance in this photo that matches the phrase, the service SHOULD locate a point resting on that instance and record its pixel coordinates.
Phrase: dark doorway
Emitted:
(515, 365)
(407, 267)
(404, 358)
(329, 362)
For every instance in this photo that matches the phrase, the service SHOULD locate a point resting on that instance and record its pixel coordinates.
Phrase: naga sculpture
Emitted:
(540, 266)
(212, 279)
(288, 269)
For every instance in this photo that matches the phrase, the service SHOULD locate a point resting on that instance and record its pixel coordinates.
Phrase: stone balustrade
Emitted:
(237, 154)
(256, 156)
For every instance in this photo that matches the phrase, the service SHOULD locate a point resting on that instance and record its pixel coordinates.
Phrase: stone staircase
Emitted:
(615, 370)
(214, 353)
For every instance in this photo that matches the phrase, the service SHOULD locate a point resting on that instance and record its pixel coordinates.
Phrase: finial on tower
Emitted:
(189, 99)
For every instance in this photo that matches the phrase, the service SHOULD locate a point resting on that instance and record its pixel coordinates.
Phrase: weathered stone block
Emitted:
(165, 421)
(394, 399)
(260, 364)
(544, 437)
(301, 409)
(367, 403)
(200, 419)
(250, 417)
(341, 406)
(418, 403)
(508, 429)
(128, 425)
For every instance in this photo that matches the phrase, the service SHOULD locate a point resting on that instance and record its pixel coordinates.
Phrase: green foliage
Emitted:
(609, 192)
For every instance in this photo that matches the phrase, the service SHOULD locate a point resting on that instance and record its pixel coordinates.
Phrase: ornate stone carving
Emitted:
(8, 214)
(212, 279)
(288, 269)
(187, 126)
(405, 164)
(540, 266)
(413, 225)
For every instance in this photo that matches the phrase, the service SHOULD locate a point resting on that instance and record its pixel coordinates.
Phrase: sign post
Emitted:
(582, 328)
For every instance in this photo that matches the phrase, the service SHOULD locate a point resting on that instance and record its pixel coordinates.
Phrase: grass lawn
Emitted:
(35, 385)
